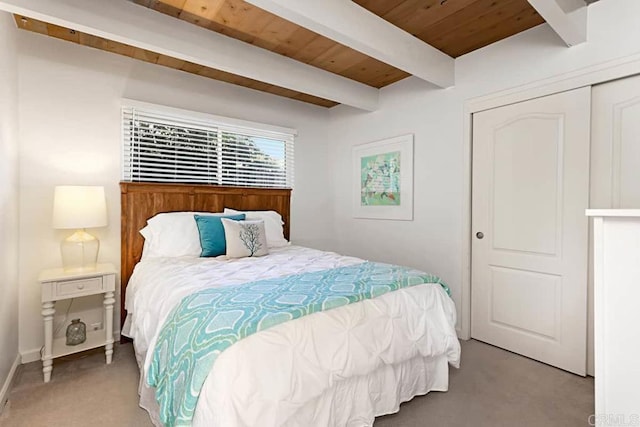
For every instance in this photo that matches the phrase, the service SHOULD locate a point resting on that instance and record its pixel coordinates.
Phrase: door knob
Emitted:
(479, 234)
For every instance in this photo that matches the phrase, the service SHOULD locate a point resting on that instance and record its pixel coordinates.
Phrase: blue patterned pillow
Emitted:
(211, 233)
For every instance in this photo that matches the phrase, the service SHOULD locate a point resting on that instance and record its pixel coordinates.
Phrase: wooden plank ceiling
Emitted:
(455, 27)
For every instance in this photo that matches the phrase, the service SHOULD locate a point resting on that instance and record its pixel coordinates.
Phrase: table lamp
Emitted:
(79, 207)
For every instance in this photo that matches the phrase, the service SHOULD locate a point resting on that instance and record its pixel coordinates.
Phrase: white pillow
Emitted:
(172, 234)
(245, 238)
(146, 247)
(272, 225)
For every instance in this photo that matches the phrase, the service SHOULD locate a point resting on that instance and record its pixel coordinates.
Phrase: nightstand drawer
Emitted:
(78, 287)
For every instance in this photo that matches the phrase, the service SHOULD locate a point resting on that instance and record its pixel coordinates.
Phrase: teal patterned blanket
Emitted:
(206, 323)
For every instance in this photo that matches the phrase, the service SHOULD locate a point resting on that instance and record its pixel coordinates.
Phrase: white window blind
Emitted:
(166, 147)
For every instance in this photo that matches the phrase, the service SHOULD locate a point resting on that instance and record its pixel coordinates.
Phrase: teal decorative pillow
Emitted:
(245, 238)
(211, 234)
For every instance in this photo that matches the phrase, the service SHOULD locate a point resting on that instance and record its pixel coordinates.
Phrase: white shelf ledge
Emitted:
(613, 212)
(95, 339)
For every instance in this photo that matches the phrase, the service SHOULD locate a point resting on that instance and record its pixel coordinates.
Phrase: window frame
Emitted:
(200, 120)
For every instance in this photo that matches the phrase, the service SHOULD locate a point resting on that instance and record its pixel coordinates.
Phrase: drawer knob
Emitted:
(81, 286)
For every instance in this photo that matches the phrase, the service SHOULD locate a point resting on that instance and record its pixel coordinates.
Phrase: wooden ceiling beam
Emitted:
(354, 26)
(125, 22)
(568, 18)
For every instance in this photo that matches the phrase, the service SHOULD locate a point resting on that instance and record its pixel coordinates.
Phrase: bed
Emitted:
(342, 366)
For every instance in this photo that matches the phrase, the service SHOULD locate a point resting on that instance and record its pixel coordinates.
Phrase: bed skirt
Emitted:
(355, 401)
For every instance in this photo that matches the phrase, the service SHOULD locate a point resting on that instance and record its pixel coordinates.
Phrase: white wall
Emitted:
(433, 241)
(8, 201)
(70, 134)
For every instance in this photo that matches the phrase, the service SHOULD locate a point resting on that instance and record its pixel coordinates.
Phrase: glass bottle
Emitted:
(76, 332)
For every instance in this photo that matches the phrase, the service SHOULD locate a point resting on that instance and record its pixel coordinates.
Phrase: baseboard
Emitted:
(6, 387)
(460, 335)
(30, 356)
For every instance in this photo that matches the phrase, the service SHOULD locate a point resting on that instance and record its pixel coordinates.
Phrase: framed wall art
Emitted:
(383, 179)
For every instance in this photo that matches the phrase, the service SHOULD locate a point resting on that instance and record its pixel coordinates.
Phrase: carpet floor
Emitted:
(493, 388)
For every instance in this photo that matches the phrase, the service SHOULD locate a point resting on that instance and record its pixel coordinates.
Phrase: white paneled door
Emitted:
(615, 155)
(529, 243)
(615, 146)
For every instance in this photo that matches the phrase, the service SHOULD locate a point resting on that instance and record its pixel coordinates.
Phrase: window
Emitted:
(168, 145)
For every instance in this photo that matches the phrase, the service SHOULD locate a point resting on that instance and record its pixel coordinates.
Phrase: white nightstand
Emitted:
(59, 285)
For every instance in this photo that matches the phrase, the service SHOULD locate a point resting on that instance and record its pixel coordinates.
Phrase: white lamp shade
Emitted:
(79, 207)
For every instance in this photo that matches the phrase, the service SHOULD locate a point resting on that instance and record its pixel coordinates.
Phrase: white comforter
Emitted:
(339, 367)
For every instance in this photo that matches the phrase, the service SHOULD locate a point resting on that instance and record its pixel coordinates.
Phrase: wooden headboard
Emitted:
(141, 201)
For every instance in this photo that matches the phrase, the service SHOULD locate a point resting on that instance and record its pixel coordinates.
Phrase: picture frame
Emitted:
(383, 179)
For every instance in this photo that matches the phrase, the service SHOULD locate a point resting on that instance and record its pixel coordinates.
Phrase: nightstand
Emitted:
(59, 285)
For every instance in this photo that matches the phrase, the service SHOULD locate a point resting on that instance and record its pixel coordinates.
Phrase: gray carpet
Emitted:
(493, 388)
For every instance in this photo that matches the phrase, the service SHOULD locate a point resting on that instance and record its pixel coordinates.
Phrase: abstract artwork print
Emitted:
(380, 180)
(383, 179)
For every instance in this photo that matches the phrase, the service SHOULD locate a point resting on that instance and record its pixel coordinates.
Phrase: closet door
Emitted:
(615, 160)
(615, 157)
(529, 243)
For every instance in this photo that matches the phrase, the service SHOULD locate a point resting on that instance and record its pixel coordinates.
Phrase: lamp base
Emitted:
(79, 252)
